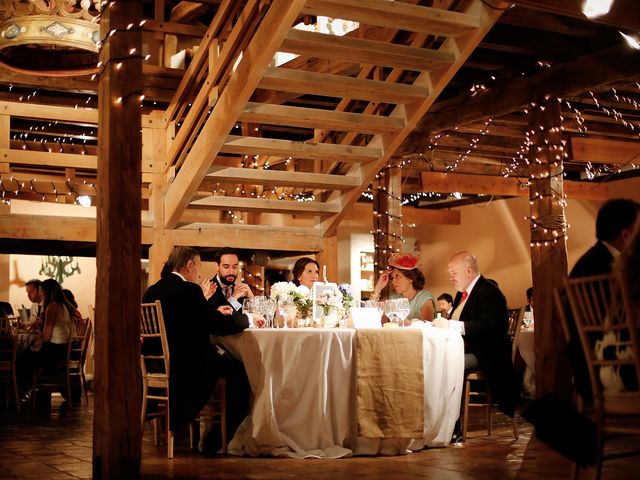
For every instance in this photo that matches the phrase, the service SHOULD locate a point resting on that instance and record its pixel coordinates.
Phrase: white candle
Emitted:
(324, 273)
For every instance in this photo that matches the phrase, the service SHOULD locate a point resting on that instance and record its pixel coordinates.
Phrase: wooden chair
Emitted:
(8, 349)
(155, 366)
(61, 376)
(608, 333)
(476, 392)
(214, 413)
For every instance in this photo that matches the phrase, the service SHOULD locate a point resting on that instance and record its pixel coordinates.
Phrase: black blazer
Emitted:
(595, 261)
(189, 320)
(486, 318)
(218, 299)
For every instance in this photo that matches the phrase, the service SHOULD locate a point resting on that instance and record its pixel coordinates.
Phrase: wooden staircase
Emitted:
(383, 78)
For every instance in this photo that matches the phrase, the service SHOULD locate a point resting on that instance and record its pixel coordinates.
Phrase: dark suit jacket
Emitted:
(486, 319)
(595, 261)
(189, 320)
(218, 299)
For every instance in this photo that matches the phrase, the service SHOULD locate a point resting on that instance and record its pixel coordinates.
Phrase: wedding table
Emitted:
(304, 386)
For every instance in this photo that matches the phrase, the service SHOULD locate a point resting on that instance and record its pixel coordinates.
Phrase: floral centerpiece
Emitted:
(298, 294)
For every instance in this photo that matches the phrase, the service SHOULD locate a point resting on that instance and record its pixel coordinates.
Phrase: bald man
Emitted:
(480, 314)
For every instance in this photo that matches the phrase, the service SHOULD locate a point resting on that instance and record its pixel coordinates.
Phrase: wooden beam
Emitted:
(316, 118)
(266, 206)
(358, 50)
(509, 186)
(396, 15)
(285, 239)
(117, 431)
(288, 148)
(283, 179)
(600, 150)
(29, 157)
(362, 214)
(588, 71)
(49, 112)
(187, 11)
(622, 14)
(300, 81)
(241, 85)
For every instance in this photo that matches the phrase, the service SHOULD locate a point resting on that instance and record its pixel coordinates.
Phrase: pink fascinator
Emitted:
(403, 261)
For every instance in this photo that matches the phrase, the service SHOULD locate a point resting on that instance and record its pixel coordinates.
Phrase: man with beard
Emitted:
(229, 292)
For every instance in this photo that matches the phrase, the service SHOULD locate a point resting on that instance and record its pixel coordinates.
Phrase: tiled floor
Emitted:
(56, 444)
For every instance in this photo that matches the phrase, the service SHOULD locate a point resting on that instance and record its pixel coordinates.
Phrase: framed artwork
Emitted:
(326, 297)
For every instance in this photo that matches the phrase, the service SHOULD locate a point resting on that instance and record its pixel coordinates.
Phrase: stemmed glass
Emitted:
(402, 309)
(267, 308)
(390, 310)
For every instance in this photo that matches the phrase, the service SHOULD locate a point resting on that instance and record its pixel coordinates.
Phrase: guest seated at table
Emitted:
(480, 314)
(529, 306)
(445, 305)
(228, 292)
(408, 281)
(629, 265)
(52, 347)
(35, 311)
(68, 294)
(195, 363)
(305, 271)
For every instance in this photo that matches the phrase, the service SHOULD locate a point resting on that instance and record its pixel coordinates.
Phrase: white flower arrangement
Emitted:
(329, 299)
(298, 294)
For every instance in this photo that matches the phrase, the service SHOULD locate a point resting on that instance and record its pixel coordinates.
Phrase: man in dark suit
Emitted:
(190, 320)
(614, 225)
(229, 292)
(480, 314)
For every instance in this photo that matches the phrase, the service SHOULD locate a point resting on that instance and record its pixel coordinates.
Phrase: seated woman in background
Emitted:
(68, 294)
(55, 333)
(408, 281)
(305, 271)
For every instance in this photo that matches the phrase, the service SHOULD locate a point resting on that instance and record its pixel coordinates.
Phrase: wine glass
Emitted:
(267, 308)
(402, 310)
(390, 310)
(248, 305)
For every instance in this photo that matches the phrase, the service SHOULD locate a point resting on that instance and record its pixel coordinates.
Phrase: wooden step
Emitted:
(283, 178)
(316, 118)
(300, 81)
(396, 15)
(358, 50)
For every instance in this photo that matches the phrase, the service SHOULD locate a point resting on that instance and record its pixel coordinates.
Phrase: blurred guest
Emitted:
(614, 224)
(35, 311)
(195, 363)
(68, 294)
(629, 265)
(306, 271)
(408, 281)
(55, 332)
(228, 292)
(529, 306)
(445, 305)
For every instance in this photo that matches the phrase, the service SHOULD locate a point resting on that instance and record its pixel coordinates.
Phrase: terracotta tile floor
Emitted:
(56, 444)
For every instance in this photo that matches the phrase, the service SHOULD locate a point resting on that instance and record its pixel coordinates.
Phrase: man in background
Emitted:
(229, 292)
(35, 297)
(445, 305)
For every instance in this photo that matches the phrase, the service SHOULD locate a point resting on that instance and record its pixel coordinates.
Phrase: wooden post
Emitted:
(548, 242)
(328, 258)
(387, 221)
(118, 395)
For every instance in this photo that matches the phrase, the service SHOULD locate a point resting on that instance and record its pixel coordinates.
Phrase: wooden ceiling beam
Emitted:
(316, 118)
(358, 50)
(49, 159)
(288, 80)
(219, 202)
(408, 17)
(267, 237)
(283, 179)
(588, 71)
(509, 186)
(288, 148)
(600, 150)
(186, 11)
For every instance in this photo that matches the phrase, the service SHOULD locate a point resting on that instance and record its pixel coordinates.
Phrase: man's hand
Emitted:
(208, 288)
(441, 322)
(242, 290)
(225, 309)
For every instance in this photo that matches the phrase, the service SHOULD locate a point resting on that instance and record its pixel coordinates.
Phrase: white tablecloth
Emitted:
(303, 382)
(526, 348)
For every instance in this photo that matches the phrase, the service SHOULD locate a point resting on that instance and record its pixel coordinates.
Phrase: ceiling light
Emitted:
(596, 8)
(632, 42)
(457, 195)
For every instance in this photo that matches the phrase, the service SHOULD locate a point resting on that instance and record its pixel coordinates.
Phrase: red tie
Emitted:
(464, 296)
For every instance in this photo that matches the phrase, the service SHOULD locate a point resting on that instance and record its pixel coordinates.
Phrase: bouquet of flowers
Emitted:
(347, 295)
(300, 296)
(328, 300)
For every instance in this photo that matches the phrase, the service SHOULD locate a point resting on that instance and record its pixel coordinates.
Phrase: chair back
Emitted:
(516, 316)
(608, 334)
(79, 341)
(155, 349)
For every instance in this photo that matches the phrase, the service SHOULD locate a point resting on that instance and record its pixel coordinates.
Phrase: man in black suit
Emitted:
(229, 292)
(190, 320)
(614, 225)
(480, 314)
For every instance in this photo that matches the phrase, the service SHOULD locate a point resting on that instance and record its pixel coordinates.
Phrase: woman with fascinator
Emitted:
(408, 281)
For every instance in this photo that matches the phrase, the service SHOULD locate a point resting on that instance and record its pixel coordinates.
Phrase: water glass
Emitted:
(402, 309)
